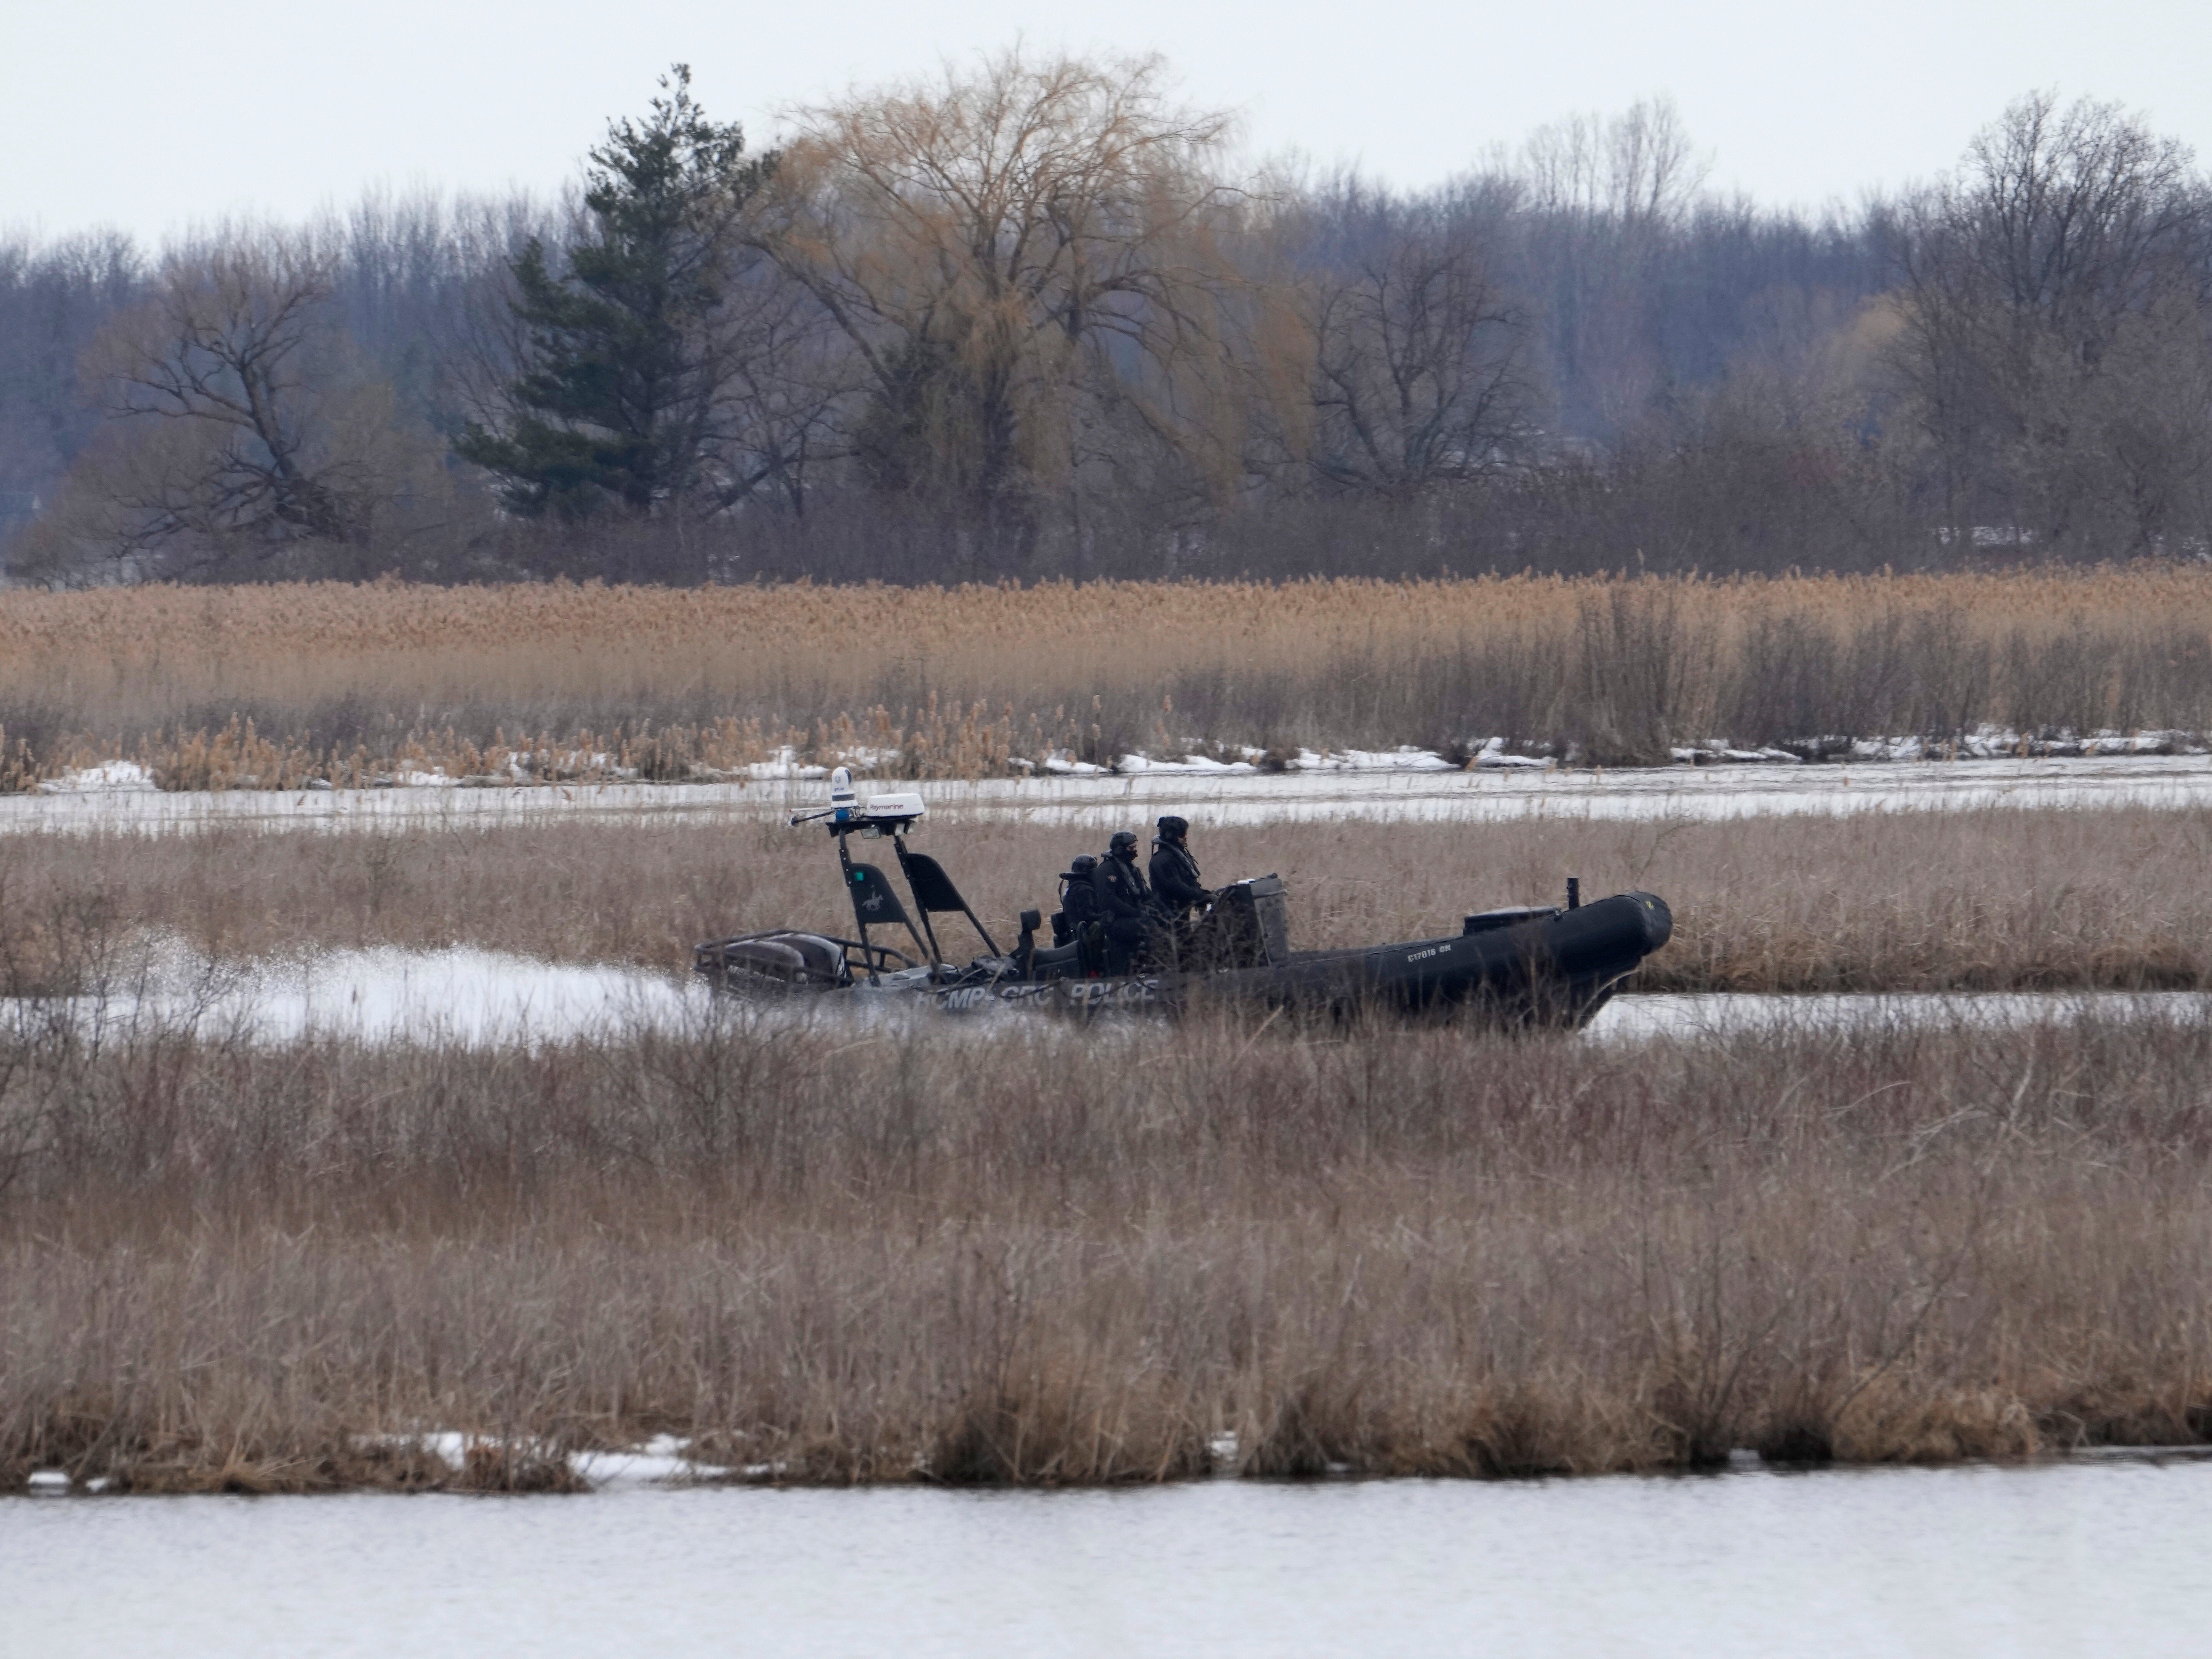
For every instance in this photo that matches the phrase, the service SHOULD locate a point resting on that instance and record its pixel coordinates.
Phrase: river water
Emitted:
(470, 998)
(1212, 797)
(2074, 1559)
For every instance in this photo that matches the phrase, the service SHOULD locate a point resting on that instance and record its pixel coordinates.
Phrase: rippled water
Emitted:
(2103, 1560)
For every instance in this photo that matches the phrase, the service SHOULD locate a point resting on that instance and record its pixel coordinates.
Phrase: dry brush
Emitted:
(271, 685)
(1995, 899)
(1080, 1259)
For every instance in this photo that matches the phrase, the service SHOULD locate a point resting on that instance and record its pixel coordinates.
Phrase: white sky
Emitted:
(151, 115)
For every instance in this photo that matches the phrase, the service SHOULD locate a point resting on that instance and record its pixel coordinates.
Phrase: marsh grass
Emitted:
(267, 686)
(1050, 1259)
(1998, 898)
(993, 1254)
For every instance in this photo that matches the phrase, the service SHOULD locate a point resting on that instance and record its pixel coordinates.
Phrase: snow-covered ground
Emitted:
(662, 1461)
(1409, 791)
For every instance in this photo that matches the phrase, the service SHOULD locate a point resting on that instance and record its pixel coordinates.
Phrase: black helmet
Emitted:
(1124, 841)
(1173, 827)
(1082, 864)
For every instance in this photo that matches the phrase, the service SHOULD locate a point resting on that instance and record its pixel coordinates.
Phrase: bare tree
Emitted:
(1606, 199)
(54, 301)
(2155, 417)
(1420, 372)
(1635, 170)
(1001, 248)
(225, 348)
(240, 426)
(2029, 280)
(792, 384)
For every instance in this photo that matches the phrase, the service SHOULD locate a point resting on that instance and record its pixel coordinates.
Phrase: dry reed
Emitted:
(1999, 898)
(233, 687)
(1067, 1259)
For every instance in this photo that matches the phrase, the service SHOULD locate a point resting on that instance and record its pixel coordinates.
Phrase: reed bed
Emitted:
(1081, 1258)
(269, 686)
(1994, 899)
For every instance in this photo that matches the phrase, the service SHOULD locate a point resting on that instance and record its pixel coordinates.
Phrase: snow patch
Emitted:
(661, 1461)
(1207, 765)
(1190, 765)
(1494, 756)
(1062, 763)
(1403, 758)
(115, 777)
(1720, 754)
(784, 766)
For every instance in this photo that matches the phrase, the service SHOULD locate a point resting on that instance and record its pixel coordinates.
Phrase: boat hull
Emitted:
(1537, 968)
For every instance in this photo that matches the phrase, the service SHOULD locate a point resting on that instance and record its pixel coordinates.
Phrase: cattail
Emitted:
(1609, 667)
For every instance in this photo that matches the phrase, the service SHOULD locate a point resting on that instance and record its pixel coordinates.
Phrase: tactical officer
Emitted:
(1125, 904)
(1078, 898)
(1176, 888)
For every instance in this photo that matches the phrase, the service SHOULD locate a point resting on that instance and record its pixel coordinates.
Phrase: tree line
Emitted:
(1028, 319)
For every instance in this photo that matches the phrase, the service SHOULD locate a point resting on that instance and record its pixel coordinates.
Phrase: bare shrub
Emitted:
(1066, 1258)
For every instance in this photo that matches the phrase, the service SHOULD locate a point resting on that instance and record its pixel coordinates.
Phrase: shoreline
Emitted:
(643, 1466)
(1393, 793)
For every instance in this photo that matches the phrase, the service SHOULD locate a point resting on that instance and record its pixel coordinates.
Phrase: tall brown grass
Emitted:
(896, 1255)
(238, 686)
(2000, 899)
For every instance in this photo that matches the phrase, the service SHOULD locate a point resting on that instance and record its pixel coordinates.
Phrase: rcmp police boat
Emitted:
(1550, 965)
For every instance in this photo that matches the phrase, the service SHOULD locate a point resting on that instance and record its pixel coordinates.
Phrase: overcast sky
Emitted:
(151, 115)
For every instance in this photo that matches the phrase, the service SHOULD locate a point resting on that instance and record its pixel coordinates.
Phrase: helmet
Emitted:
(1082, 864)
(1124, 841)
(1173, 827)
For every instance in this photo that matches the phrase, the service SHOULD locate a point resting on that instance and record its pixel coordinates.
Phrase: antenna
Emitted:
(874, 903)
(844, 809)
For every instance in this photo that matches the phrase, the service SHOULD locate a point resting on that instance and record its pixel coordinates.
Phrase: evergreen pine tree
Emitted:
(624, 365)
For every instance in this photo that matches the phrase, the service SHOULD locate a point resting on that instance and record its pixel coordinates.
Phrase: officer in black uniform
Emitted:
(1125, 904)
(1078, 898)
(1177, 888)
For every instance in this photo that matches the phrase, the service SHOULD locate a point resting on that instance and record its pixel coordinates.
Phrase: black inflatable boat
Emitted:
(1537, 965)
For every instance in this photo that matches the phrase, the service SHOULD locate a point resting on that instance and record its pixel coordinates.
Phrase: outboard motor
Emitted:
(782, 959)
(1248, 925)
